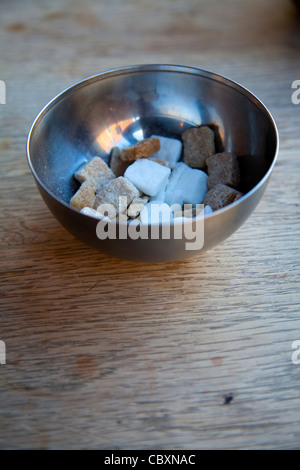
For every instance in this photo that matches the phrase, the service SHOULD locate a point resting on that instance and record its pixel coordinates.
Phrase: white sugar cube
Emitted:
(148, 176)
(91, 212)
(191, 183)
(160, 197)
(170, 150)
(175, 176)
(174, 197)
(207, 210)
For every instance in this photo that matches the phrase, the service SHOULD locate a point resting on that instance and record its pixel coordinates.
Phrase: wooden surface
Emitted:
(109, 354)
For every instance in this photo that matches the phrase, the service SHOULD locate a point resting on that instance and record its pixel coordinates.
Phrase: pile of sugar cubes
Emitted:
(153, 171)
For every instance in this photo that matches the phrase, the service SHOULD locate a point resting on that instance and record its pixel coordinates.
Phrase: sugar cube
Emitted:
(118, 193)
(175, 176)
(160, 161)
(220, 196)
(223, 168)
(148, 176)
(85, 196)
(207, 210)
(91, 212)
(198, 144)
(95, 169)
(141, 149)
(117, 165)
(160, 197)
(175, 196)
(191, 183)
(170, 150)
(136, 207)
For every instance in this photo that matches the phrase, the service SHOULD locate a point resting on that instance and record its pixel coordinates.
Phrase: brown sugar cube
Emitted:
(142, 149)
(223, 168)
(85, 196)
(220, 196)
(119, 193)
(136, 206)
(198, 144)
(95, 169)
(117, 165)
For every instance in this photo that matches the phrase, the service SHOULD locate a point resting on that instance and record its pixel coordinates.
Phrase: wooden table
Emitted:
(109, 354)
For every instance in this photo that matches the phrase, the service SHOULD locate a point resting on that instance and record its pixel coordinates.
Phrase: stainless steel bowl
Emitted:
(118, 107)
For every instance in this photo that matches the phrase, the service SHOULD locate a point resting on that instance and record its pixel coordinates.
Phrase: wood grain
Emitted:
(109, 354)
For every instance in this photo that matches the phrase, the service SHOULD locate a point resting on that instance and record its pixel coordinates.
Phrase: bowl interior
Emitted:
(120, 107)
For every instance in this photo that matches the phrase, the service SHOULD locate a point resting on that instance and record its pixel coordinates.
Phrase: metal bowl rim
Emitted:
(153, 68)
